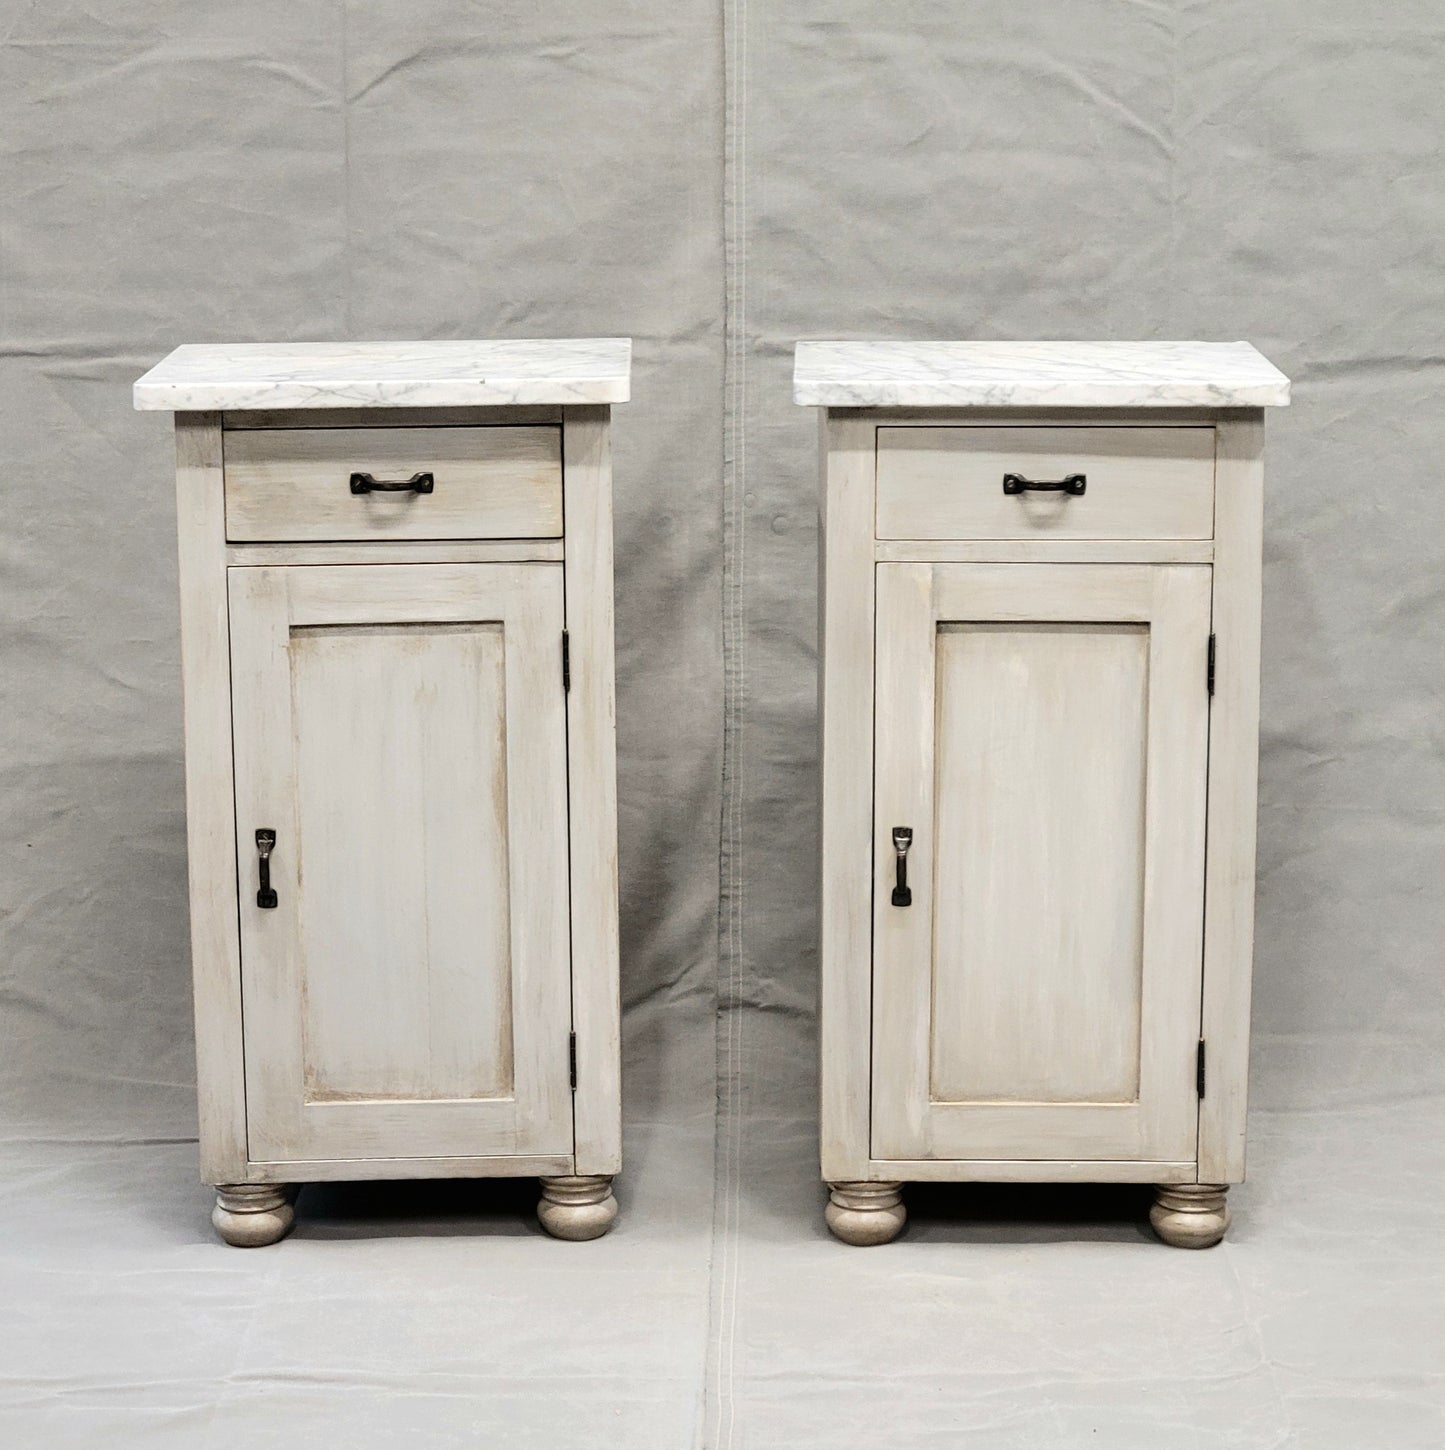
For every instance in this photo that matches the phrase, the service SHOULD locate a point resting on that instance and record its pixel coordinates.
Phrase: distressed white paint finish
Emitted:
(240, 376)
(401, 728)
(210, 806)
(968, 391)
(389, 417)
(1032, 417)
(402, 786)
(1038, 864)
(421, 551)
(1036, 374)
(845, 708)
(1033, 1170)
(295, 483)
(1141, 483)
(336, 1170)
(423, 1044)
(1233, 794)
(1039, 998)
(592, 768)
(1045, 551)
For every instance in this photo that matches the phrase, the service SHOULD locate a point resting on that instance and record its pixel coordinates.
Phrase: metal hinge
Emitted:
(567, 662)
(1210, 675)
(1199, 1069)
(572, 1059)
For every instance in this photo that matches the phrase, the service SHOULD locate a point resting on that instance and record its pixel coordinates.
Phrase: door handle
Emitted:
(902, 840)
(265, 844)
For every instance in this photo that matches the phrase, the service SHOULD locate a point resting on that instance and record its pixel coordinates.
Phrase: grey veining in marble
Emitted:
(1036, 375)
(205, 377)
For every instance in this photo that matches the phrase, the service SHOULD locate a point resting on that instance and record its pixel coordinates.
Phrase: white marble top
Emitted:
(207, 376)
(1036, 375)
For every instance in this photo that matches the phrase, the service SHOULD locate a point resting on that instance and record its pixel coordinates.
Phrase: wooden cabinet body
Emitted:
(401, 795)
(1039, 717)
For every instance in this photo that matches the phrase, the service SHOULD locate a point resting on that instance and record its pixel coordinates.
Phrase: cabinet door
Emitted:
(1042, 730)
(401, 728)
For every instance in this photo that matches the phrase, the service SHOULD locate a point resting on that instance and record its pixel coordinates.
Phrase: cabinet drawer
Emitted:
(1139, 483)
(285, 484)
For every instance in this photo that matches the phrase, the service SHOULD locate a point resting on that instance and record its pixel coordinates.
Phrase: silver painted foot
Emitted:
(866, 1213)
(250, 1215)
(577, 1208)
(1190, 1215)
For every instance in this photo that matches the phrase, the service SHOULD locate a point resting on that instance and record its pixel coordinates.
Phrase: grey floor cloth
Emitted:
(438, 1315)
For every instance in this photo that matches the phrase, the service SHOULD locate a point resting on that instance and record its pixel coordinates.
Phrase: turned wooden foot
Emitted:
(251, 1215)
(577, 1208)
(1190, 1215)
(866, 1213)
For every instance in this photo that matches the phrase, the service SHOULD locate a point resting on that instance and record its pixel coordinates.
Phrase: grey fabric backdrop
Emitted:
(717, 181)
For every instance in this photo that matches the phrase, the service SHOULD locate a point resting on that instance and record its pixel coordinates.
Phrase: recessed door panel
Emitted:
(400, 728)
(1042, 732)
(403, 838)
(1039, 820)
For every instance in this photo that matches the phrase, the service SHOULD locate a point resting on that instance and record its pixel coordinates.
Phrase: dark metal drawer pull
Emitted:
(902, 840)
(1016, 483)
(265, 844)
(417, 483)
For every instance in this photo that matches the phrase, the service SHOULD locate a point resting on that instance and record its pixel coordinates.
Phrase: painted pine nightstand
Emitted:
(1040, 609)
(396, 620)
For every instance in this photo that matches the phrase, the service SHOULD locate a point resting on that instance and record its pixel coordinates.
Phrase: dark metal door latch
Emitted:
(902, 840)
(265, 844)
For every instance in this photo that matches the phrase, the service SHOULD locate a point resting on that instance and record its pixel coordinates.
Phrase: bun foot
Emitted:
(863, 1214)
(1190, 1215)
(251, 1215)
(577, 1208)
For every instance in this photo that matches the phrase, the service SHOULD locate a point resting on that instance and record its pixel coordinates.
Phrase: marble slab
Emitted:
(237, 376)
(1036, 375)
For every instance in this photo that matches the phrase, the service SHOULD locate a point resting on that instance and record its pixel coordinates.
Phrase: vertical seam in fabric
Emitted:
(345, 269)
(720, 1420)
(1172, 160)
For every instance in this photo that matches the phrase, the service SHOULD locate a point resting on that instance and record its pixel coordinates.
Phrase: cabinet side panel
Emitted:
(210, 800)
(592, 788)
(1233, 798)
(845, 663)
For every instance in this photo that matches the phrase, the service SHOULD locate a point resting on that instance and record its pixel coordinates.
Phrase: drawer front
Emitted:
(288, 484)
(1139, 483)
